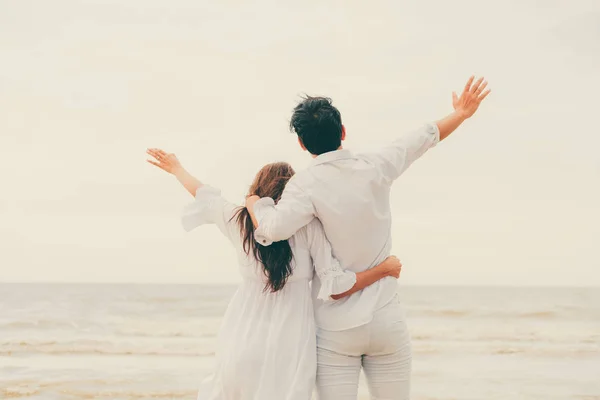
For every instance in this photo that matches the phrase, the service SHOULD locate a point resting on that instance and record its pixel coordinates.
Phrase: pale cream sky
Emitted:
(513, 197)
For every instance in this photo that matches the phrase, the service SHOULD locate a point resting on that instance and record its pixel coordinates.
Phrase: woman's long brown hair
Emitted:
(276, 258)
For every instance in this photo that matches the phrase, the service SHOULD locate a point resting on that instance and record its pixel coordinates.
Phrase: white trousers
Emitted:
(381, 348)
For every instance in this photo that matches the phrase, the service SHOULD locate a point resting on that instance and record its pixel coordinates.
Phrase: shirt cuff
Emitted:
(261, 207)
(335, 282)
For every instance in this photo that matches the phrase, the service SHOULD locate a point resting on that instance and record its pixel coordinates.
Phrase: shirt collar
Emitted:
(332, 156)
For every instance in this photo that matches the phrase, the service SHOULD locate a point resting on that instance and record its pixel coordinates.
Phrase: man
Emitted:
(349, 193)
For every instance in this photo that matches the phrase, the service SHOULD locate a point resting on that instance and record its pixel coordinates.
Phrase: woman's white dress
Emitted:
(266, 348)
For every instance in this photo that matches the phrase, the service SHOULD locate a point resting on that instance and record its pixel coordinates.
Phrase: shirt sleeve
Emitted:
(209, 207)
(333, 279)
(396, 157)
(281, 221)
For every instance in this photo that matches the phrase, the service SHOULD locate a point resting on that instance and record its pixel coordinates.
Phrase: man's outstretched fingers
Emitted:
(468, 85)
(454, 97)
(483, 96)
(480, 89)
(476, 85)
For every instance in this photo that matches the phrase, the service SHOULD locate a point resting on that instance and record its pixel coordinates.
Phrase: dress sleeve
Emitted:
(333, 279)
(209, 207)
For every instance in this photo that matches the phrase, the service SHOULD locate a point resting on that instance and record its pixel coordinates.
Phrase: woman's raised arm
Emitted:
(168, 162)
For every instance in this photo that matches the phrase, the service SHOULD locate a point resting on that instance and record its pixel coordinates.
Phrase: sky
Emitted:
(511, 198)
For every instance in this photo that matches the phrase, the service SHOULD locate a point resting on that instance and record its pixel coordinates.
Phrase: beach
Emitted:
(79, 341)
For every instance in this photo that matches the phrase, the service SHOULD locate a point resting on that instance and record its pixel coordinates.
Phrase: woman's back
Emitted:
(267, 341)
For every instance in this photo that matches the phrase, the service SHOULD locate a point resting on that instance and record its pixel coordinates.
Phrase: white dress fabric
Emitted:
(266, 348)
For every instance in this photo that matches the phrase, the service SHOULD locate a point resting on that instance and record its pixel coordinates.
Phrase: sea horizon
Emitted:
(229, 284)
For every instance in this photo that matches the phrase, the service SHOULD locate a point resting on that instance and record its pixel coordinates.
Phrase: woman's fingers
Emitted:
(164, 161)
(156, 153)
(154, 163)
(151, 153)
(162, 152)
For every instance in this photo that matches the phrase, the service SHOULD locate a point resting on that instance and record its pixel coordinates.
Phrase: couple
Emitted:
(329, 224)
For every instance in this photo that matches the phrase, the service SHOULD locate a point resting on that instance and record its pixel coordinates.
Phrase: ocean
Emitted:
(79, 341)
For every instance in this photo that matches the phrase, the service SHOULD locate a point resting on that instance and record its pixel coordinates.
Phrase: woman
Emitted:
(266, 346)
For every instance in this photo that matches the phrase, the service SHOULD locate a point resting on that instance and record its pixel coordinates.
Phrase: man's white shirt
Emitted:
(350, 194)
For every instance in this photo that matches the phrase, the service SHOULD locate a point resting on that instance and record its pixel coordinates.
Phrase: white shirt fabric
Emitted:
(350, 194)
(265, 335)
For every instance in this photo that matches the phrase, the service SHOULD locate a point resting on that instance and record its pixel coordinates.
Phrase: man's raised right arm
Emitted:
(276, 222)
(396, 157)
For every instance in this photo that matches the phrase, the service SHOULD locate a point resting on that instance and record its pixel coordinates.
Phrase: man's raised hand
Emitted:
(471, 97)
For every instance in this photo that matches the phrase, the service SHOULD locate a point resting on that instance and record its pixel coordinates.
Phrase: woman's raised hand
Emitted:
(165, 161)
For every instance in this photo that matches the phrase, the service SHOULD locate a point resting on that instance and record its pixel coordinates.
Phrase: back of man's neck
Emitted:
(317, 155)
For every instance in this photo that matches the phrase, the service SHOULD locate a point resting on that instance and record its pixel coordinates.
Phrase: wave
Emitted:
(522, 349)
(546, 352)
(192, 334)
(145, 329)
(38, 324)
(446, 313)
(97, 347)
(539, 314)
(28, 389)
(20, 391)
(509, 337)
(508, 351)
(94, 394)
(480, 313)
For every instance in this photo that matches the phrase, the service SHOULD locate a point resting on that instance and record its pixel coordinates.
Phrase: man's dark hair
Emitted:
(318, 124)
